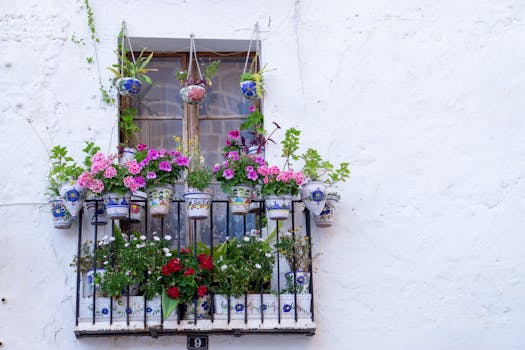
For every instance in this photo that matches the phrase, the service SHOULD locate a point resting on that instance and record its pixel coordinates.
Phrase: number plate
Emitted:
(197, 342)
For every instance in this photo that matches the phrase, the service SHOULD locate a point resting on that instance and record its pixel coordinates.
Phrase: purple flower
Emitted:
(233, 155)
(151, 175)
(144, 162)
(225, 164)
(234, 134)
(165, 166)
(249, 168)
(141, 147)
(228, 174)
(140, 182)
(216, 168)
(252, 108)
(252, 175)
(163, 152)
(183, 161)
(260, 160)
(153, 154)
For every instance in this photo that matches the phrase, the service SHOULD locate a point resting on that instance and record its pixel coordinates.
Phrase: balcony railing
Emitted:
(291, 312)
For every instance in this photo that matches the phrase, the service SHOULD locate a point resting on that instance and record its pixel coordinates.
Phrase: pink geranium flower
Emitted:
(110, 172)
(165, 166)
(228, 174)
(151, 175)
(183, 161)
(252, 175)
(141, 147)
(234, 134)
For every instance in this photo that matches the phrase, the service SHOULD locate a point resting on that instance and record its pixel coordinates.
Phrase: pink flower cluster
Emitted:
(274, 174)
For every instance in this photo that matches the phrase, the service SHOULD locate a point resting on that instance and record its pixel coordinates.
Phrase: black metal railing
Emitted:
(88, 326)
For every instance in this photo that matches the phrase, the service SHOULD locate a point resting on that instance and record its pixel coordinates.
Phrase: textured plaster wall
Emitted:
(424, 98)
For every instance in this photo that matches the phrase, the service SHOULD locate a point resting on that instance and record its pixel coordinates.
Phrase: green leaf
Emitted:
(168, 304)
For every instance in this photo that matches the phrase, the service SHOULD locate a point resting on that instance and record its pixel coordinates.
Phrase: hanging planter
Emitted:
(198, 203)
(73, 197)
(61, 217)
(251, 82)
(278, 206)
(194, 90)
(117, 205)
(313, 194)
(239, 199)
(326, 217)
(130, 75)
(126, 154)
(159, 201)
(96, 212)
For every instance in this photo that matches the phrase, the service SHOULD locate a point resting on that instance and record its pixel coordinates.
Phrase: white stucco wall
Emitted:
(423, 98)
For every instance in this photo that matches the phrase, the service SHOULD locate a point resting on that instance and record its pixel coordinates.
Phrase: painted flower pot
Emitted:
(159, 201)
(237, 307)
(73, 195)
(88, 283)
(326, 217)
(126, 154)
(96, 212)
(302, 281)
(193, 94)
(255, 150)
(239, 199)
(289, 305)
(117, 205)
(265, 304)
(313, 195)
(203, 309)
(249, 89)
(278, 207)
(256, 205)
(198, 203)
(137, 206)
(128, 86)
(61, 217)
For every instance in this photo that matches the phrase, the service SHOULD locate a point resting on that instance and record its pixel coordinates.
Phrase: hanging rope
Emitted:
(123, 50)
(255, 35)
(193, 53)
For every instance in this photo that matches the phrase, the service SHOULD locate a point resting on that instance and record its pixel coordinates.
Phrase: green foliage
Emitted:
(244, 266)
(89, 59)
(127, 125)
(106, 96)
(295, 249)
(314, 165)
(90, 150)
(86, 258)
(290, 145)
(338, 175)
(78, 41)
(63, 169)
(132, 69)
(255, 122)
(208, 72)
(91, 22)
(198, 176)
(256, 76)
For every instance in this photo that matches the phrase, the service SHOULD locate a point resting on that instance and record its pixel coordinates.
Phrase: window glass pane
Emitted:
(224, 97)
(213, 136)
(162, 98)
(159, 133)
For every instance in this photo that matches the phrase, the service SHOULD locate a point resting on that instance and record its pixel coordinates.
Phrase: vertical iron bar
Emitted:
(94, 270)
(195, 255)
(261, 285)
(308, 233)
(79, 246)
(212, 304)
(161, 310)
(112, 265)
(278, 275)
(128, 224)
(294, 263)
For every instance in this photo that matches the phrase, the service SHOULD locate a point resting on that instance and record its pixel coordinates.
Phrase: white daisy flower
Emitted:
(246, 238)
(224, 267)
(166, 250)
(167, 238)
(126, 245)
(156, 238)
(168, 254)
(258, 266)
(268, 255)
(143, 237)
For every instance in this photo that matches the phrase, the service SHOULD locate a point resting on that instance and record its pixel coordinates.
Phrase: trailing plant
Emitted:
(63, 169)
(127, 126)
(126, 68)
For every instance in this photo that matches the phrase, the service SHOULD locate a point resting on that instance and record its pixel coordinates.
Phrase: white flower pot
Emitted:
(203, 309)
(237, 307)
(126, 155)
(303, 305)
(117, 205)
(88, 283)
(128, 86)
(313, 194)
(198, 203)
(193, 94)
(137, 206)
(61, 217)
(239, 199)
(278, 206)
(73, 195)
(326, 217)
(159, 201)
(98, 218)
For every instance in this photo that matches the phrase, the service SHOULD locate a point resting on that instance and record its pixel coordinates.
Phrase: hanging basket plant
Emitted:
(130, 74)
(251, 82)
(195, 88)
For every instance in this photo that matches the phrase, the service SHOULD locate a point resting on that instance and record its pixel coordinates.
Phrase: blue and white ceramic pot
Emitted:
(137, 206)
(61, 217)
(128, 86)
(193, 94)
(302, 282)
(326, 217)
(198, 203)
(278, 206)
(117, 205)
(159, 201)
(88, 283)
(96, 212)
(239, 199)
(73, 195)
(249, 89)
(313, 195)
(126, 154)
(203, 308)
(237, 307)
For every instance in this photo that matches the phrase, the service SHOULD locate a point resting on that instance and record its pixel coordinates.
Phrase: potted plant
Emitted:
(260, 137)
(193, 89)
(295, 249)
(128, 129)
(244, 267)
(238, 174)
(278, 186)
(129, 74)
(251, 82)
(66, 195)
(160, 169)
(197, 194)
(313, 192)
(113, 181)
(186, 279)
(335, 176)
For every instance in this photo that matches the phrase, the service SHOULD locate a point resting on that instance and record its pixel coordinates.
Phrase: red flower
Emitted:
(166, 271)
(174, 265)
(202, 257)
(185, 251)
(189, 272)
(173, 292)
(141, 147)
(206, 263)
(202, 291)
